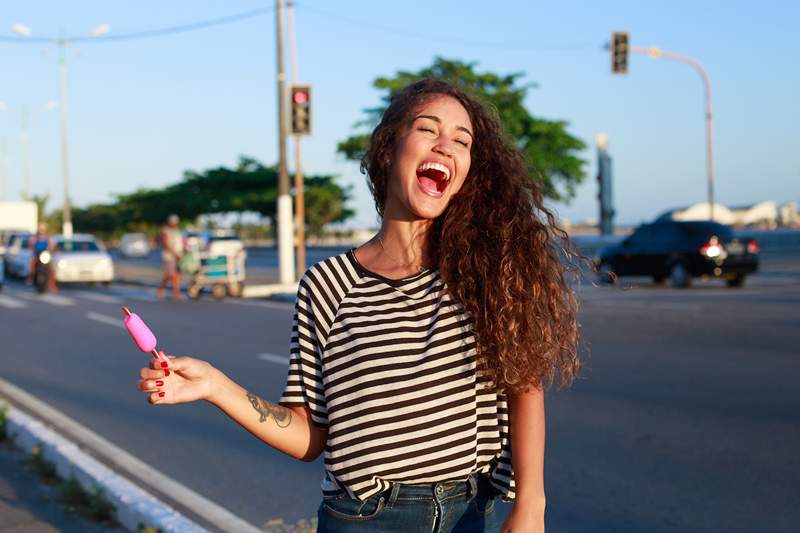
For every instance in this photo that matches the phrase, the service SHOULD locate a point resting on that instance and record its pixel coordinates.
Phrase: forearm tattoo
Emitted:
(282, 415)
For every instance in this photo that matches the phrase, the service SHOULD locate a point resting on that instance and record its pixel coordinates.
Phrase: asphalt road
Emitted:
(686, 416)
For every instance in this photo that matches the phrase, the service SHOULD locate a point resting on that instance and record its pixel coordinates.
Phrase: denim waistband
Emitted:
(440, 490)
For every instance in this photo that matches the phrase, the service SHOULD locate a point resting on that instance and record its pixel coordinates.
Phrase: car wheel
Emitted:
(679, 276)
(737, 281)
(605, 274)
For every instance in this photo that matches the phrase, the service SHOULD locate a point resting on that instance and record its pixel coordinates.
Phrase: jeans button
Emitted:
(439, 490)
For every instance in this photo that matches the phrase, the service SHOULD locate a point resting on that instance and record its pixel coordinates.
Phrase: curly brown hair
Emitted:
(498, 248)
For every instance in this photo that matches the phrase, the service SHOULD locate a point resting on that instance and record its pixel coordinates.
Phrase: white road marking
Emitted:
(272, 358)
(97, 297)
(11, 303)
(56, 299)
(271, 304)
(105, 319)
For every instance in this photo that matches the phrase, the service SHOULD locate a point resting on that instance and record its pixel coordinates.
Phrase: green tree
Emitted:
(249, 186)
(550, 151)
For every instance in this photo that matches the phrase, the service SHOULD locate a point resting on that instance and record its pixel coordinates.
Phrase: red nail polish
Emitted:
(166, 373)
(164, 364)
(159, 383)
(161, 394)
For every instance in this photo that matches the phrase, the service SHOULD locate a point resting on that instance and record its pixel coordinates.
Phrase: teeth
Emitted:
(436, 166)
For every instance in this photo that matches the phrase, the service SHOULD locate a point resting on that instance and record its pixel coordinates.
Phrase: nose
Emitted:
(444, 147)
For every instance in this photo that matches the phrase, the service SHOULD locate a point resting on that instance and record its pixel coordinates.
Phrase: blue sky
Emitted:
(142, 112)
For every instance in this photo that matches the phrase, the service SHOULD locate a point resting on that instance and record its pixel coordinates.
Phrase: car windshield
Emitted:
(77, 246)
(706, 229)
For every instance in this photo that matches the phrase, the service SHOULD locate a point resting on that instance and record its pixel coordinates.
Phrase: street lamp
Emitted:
(656, 53)
(62, 42)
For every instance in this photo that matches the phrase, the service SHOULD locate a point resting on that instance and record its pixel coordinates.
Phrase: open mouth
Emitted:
(433, 178)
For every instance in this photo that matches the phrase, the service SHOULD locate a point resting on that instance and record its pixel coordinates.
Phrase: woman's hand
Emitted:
(524, 520)
(183, 379)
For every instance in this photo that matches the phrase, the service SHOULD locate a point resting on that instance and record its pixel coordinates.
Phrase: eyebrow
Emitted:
(438, 120)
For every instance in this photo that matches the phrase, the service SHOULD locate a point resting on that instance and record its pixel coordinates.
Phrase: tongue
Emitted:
(427, 184)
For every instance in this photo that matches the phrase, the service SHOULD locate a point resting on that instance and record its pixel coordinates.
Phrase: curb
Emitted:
(134, 505)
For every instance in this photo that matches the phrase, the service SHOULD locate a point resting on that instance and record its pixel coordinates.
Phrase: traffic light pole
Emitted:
(657, 53)
(299, 200)
(284, 211)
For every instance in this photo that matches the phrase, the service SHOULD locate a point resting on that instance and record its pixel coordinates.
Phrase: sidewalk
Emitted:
(29, 505)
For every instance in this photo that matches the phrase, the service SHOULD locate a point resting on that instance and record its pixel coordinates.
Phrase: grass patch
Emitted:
(46, 469)
(90, 504)
(302, 526)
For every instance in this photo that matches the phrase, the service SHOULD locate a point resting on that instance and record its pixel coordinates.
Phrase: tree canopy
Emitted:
(550, 151)
(248, 187)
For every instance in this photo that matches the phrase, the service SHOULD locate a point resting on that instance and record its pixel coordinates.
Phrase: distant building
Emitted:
(699, 211)
(764, 215)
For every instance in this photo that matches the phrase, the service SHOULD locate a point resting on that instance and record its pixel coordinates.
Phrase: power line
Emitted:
(147, 33)
(447, 40)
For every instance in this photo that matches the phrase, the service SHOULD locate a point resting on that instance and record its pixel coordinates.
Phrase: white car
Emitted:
(81, 259)
(134, 245)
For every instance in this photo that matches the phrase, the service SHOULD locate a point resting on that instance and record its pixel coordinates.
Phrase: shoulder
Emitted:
(334, 275)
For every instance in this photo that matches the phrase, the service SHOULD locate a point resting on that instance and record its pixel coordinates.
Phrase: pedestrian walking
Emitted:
(172, 243)
(419, 359)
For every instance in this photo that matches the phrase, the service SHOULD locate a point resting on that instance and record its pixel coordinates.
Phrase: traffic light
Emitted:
(619, 52)
(301, 109)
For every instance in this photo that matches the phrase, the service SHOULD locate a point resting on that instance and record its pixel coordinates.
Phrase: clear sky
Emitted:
(144, 111)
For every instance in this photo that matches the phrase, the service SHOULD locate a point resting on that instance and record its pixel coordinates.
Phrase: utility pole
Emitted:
(299, 201)
(66, 226)
(25, 140)
(285, 233)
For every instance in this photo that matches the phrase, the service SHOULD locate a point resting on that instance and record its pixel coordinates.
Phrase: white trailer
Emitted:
(18, 216)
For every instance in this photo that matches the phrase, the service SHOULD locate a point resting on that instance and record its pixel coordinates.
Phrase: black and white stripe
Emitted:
(388, 368)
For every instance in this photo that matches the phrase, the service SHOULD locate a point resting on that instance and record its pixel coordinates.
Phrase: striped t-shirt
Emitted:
(388, 367)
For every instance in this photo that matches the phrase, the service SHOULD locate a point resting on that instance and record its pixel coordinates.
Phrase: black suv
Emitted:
(679, 251)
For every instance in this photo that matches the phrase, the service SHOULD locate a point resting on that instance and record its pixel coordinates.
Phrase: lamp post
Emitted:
(657, 53)
(62, 42)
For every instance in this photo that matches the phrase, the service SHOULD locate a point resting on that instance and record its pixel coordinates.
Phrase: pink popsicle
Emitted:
(144, 338)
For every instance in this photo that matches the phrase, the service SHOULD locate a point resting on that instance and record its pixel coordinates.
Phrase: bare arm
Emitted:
(527, 445)
(289, 430)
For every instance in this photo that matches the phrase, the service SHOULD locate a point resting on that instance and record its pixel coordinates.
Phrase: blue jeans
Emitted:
(457, 506)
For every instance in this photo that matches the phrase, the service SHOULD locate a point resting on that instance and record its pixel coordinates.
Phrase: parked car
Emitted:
(81, 258)
(17, 256)
(134, 245)
(680, 251)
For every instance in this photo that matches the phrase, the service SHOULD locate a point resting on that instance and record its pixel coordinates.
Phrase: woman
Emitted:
(418, 360)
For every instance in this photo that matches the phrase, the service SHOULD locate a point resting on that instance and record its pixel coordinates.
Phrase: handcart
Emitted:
(223, 274)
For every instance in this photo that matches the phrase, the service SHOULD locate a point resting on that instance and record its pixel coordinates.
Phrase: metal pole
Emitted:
(25, 139)
(284, 211)
(299, 201)
(62, 92)
(657, 53)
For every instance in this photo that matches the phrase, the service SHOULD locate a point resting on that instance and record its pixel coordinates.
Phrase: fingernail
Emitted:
(166, 373)
(159, 383)
(161, 394)
(164, 364)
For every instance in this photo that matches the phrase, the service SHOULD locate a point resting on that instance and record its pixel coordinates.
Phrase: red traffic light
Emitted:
(300, 97)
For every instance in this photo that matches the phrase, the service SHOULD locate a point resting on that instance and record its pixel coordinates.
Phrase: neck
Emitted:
(404, 242)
